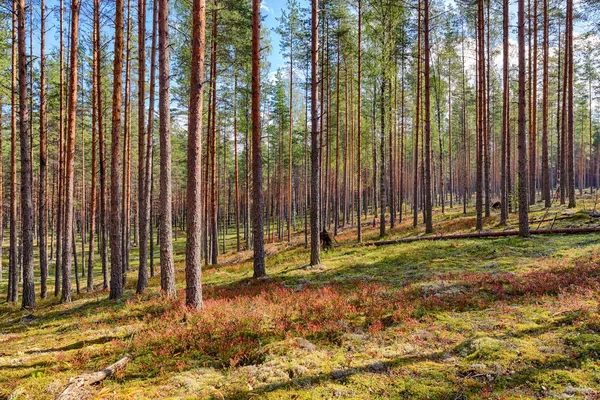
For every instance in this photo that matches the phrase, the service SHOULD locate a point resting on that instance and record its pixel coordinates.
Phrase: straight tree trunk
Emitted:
(545, 156)
(13, 277)
(522, 136)
(570, 107)
(142, 181)
(43, 179)
(257, 190)
(26, 167)
(68, 242)
(427, 123)
(315, 212)
(193, 265)
(103, 230)
(533, 106)
(417, 124)
(116, 271)
(505, 167)
(167, 267)
(480, 113)
(358, 124)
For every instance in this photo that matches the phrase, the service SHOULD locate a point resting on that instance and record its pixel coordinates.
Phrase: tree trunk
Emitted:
(315, 212)
(193, 265)
(68, 245)
(522, 136)
(116, 272)
(545, 156)
(358, 124)
(43, 183)
(26, 166)
(427, 123)
(257, 191)
(167, 267)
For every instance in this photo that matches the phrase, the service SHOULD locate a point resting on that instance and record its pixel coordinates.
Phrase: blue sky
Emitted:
(271, 10)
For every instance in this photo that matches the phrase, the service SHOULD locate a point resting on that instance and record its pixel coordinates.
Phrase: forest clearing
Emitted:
(470, 318)
(362, 199)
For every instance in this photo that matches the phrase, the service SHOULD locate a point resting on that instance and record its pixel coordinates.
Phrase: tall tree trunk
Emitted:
(545, 156)
(97, 87)
(116, 272)
(26, 166)
(238, 243)
(417, 124)
(427, 122)
(382, 172)
(43, 183)
(13, 279)
(68, 245)
(193, 265)
(315, 212)
(291, 130)
(149, 185)
(142, 181)
(61, 161)
(358, 124)
(533, 106)
(522, 136)
(93, 189)
(480, 112)
(257, 191)
(167, 267)
(570, 107)
(505, 167)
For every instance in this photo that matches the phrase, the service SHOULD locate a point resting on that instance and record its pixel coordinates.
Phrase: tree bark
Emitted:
(116, 272)
(545, 156)
(193, 264)
(315, 212)
(522, 135)
(43, 179)
(26, 166)
(257, 191)
(167, 267)
(427, 122)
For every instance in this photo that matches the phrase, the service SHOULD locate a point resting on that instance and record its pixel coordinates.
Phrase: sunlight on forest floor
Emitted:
(478, 318)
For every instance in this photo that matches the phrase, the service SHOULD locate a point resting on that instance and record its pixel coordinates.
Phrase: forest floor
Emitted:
(504, 318)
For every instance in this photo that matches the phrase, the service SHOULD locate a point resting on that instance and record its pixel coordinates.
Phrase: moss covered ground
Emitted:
(501, 318)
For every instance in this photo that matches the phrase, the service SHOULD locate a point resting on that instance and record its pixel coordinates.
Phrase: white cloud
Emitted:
(263, 6)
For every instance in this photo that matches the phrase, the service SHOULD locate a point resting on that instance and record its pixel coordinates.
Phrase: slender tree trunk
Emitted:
(545, 156)
(116, 272)
(382, 182)
(68, 242)
(236, 169)
(522, 137)
(257, 191)
(358, 122)
(570, 107)
(26, 166)
(315, 212)
(427, 122)
(193, 266)
(43, 183)
(480, 113)
(505, 167)
(61, 129)
(143, 204)
(417, 124)
(167, 267)
(533, 106)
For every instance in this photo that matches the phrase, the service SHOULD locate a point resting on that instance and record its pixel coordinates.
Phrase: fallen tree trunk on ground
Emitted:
(78, 387)
(475, 235)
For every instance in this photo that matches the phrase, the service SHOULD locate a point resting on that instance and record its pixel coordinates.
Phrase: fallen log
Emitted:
(78, 387)
(475, 235)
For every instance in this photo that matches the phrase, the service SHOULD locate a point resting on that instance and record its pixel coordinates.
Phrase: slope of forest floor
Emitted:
(505, 318)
